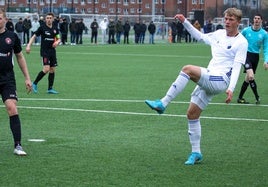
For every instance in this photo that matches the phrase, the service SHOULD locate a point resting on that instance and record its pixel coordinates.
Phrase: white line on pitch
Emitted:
(137, 113)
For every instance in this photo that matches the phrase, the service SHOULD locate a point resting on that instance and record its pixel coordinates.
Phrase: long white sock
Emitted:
(176, 88)
(194, 131)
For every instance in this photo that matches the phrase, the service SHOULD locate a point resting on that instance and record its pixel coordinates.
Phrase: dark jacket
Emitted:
(151, 28)
(126, 27)
(19, 27)
(94, 26)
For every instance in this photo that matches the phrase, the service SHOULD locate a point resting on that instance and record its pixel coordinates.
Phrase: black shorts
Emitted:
(8, 91)
(251, 62)
(50, 60)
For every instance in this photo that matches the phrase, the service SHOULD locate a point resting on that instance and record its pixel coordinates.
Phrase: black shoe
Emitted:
(242, 101)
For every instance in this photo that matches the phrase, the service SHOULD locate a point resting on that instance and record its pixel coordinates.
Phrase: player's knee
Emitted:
(186, 68)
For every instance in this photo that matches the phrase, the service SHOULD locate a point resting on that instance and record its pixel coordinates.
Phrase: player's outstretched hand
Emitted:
(229, 96)
(180, 17)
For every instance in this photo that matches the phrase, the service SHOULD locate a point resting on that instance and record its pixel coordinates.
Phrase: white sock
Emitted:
(194, 131)
(175, 88)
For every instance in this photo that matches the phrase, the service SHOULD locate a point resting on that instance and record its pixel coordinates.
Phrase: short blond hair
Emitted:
(234, 12)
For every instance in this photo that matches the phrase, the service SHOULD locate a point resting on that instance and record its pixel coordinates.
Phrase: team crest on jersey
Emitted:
(8, 41)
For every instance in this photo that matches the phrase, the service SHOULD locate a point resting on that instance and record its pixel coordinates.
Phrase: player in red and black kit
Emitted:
(10, 44)
(50, 39)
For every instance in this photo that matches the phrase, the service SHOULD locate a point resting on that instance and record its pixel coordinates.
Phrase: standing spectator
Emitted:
(111, 27)
(50, 39)
(173, 31)
(151, 29)
(64, 31)
(208, 27)
(35, 26)
(137, 31)
(228, 48)
(256, 37)
(198, 27)
(10, 44)
(10, 25)
(119, 30)
(126, 28)
(80, 29)
(19, 29)
(180, 31)
(143, 31)
(103, 27)
(73, 30)
(27, 25)
(94, 31)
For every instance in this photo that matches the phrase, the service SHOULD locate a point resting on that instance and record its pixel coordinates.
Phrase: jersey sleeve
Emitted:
(17, 44)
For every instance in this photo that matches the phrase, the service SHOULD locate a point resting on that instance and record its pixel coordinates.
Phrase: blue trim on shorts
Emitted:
(215, 78)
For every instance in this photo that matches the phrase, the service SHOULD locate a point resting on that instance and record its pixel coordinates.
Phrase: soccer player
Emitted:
(11, 44)
(50, 39)
(229, 49)
(256, 37)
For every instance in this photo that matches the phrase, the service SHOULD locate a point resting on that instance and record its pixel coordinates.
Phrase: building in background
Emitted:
(193, 9)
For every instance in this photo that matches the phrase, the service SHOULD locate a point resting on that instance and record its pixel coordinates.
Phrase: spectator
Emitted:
(151, 29)
(27, 25)
(137, 31)
(73, 30)
(103, 27)
(80, 29)
(19, 29)
(208, 27)
(64, 31)
(111, 27)
(10, 25)
(143, 31)
(126, 28)
(119, 30)
(35, 26)
(94, 31)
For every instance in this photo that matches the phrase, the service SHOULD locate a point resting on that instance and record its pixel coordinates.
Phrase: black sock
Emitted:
(51, 77)
(15, 129)
(253, 86)
(40, 75)
(243, 89)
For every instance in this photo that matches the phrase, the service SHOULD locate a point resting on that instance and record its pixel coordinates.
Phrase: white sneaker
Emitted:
(19, 151)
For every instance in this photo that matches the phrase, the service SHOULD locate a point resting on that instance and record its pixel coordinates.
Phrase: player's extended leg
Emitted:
(188, 72)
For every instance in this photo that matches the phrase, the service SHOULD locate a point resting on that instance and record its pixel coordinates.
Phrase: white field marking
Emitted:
(137, 54)
(129, 101)
(36, 140)
(137, 113)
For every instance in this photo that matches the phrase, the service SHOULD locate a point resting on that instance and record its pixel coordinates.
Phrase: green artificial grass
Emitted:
(99, 132)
